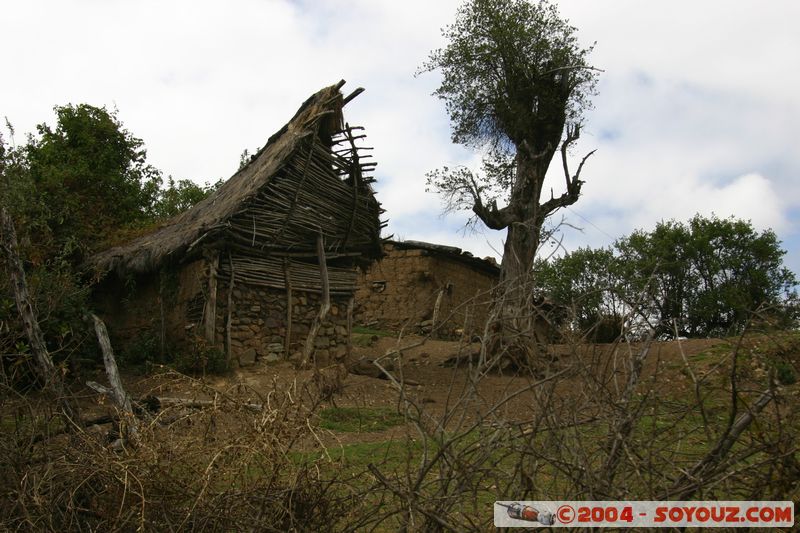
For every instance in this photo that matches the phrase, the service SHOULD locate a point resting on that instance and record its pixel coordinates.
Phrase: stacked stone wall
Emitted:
(259, 324)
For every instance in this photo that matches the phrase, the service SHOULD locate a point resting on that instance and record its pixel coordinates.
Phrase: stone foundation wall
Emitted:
(259, 324)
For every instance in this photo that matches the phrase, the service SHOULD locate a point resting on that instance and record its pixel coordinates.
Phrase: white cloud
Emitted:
(697, 110)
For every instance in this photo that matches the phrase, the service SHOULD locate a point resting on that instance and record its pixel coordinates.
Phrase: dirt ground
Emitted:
(439, 391)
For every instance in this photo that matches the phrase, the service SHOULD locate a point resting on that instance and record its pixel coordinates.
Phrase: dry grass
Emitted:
(594, 427)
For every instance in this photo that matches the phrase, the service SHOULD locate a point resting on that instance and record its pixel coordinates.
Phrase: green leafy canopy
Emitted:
(702, 278)
(513, 71)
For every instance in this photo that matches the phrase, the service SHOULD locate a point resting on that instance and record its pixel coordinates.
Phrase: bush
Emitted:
(201, 359)
(145, 349)
(784, 372)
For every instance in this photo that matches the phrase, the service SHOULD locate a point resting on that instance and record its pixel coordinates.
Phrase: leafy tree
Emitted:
(586, 280)
(179, 196)
(655, 273)
(701, 278)
(71, 190)
(58, 294)
(735, 269)
(515, 82)
(90, 177)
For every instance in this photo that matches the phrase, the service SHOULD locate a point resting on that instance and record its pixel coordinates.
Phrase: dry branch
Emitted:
(121, 397)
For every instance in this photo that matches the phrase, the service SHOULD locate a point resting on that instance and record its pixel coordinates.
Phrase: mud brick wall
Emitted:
(400, 291)
(132, 308)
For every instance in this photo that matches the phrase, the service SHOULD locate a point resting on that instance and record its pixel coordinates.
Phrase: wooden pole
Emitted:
(287, 276)
(211, 303)
(350, 305)
(48, 374)
(436, 308)
(324, 306)
(230, 310)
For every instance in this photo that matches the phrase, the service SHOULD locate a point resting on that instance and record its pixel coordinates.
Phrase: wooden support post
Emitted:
(48, 374)
(229, 319)
(324, 306)
(350, 305)
(162, 350)
(287, 276)
(210, 313)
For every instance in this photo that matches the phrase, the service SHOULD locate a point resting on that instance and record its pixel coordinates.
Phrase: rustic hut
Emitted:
(424, 287)
(267, 261)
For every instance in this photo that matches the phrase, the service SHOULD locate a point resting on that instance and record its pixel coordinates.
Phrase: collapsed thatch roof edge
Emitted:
(177, 235)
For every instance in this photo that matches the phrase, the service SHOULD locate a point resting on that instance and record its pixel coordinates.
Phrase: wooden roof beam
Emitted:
(352, 95)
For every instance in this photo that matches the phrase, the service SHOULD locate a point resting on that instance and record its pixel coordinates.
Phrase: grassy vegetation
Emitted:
(391, 455)
(359, 419)
(363, 336)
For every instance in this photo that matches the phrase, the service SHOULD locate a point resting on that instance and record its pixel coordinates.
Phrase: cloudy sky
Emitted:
(695, 110)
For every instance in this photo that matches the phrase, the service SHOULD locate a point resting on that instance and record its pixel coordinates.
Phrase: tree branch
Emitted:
(573, 134)
(493, 217)
(573, 182)
(49, 376)
(573, 67)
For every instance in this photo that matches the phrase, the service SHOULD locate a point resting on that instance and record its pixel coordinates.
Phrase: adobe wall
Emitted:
(400, 291)
(132, 308)
(465, 304)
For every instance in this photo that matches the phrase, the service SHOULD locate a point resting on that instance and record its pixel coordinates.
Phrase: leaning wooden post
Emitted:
(211, 304)
(130, 430)
(48, 375)
(436, 307)
(324, 306)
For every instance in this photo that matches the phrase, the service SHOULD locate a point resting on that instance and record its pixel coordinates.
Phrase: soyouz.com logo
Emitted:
(643, 514)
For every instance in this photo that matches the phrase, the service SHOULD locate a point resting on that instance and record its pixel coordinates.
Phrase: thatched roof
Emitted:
(320, 115)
